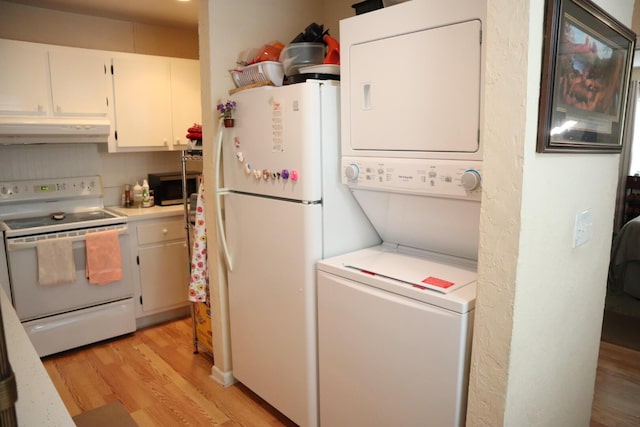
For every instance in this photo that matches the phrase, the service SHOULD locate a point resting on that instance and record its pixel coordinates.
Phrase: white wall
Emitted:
(540, 301)
(38, 25)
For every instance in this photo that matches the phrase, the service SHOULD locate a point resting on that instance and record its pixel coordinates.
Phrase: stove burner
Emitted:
(57, 216)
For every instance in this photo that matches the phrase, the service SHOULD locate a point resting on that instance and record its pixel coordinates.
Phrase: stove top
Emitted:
(55, 205)
(67, 222)
(58, 218)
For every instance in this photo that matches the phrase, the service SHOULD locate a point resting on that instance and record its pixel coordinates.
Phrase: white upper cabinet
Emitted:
(185, 96)
(149, 101)
(156, 99)
(142, 101)
(52, 81)
(24, 79)
(79, 83)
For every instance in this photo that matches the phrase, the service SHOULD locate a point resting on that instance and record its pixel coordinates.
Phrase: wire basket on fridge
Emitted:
(266, 72)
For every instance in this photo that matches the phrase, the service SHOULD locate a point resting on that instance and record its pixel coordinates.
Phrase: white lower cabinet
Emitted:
(162, 261)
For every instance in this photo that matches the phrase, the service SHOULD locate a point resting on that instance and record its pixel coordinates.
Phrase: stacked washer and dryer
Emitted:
(395, 321)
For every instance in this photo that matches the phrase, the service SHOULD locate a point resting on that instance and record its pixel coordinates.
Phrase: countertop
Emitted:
(39, 403)
(147, 213)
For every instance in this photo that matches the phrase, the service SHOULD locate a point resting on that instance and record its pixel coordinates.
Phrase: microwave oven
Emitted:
(167, 187)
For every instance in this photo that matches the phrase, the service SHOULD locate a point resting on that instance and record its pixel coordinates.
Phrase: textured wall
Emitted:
(540, 301)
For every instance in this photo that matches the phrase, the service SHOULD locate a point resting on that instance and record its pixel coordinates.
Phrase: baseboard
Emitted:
(165, 316)
(223, 378)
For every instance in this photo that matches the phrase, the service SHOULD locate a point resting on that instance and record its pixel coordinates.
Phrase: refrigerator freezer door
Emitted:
(275, 146)
(274, 245)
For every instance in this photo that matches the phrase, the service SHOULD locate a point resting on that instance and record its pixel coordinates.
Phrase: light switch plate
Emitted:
(582, 229)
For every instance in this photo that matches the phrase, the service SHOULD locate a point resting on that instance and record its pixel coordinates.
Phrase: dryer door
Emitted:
(418, 92)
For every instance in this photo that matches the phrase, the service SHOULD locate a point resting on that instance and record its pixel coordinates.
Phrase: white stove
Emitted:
(75, 312)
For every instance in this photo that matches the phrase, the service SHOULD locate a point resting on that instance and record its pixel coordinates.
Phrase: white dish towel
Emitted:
(55, 262)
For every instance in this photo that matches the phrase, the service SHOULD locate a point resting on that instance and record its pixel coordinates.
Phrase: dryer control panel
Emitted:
(444, 178)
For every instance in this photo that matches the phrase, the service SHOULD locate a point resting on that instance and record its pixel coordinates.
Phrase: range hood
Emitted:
(43, 130)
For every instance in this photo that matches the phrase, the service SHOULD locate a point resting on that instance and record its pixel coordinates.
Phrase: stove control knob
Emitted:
(470, 179)
(352, 171)
(4, 191)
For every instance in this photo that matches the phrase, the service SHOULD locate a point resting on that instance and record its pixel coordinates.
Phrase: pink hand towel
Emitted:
(104, 264)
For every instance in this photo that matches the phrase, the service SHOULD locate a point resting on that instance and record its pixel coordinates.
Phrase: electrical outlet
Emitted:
(582, 228)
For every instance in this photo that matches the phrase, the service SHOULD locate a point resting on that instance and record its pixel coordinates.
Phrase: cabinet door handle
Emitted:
(165, 231)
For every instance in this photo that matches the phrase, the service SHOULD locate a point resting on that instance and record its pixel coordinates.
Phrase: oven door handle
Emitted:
(19, 243)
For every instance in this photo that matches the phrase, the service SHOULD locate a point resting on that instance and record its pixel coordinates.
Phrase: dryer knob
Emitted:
(471, 179)
(352, 171)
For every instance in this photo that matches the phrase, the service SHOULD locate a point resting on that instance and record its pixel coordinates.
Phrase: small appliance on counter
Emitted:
(167, 186)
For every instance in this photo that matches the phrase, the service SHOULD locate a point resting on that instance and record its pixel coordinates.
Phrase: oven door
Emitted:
(33, 301)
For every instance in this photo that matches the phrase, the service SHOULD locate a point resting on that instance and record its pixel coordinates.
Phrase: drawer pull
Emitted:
(165, 231)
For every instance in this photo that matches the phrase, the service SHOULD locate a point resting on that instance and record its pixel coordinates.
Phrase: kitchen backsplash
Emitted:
(66, 160)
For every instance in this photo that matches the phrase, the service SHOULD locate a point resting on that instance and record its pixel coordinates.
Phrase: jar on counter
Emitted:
(128, 200)
(137, 195)
(146, 203)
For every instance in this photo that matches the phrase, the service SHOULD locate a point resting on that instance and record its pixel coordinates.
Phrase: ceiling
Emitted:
(160, 12)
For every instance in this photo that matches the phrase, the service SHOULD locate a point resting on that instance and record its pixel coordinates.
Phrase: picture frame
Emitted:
(586, 72)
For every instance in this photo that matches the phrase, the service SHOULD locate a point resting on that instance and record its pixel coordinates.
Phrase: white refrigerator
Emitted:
(284, 209)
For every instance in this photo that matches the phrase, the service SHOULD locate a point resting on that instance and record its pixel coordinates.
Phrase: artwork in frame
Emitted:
(586, 70)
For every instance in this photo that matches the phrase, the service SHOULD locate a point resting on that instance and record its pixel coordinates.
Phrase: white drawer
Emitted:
(161, 232)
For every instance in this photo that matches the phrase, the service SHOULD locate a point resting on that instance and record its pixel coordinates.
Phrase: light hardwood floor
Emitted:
(155, 374)
(616, 401)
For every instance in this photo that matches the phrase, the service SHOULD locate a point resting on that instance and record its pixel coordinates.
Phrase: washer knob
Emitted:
(352, 171)
(471, 179)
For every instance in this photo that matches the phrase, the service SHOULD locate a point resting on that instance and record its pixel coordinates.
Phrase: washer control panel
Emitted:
(446, 178)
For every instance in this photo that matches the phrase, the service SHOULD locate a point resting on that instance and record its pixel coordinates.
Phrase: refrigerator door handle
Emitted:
(219, 193)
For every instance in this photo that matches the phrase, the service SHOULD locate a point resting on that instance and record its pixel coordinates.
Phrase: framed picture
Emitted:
(586, 69)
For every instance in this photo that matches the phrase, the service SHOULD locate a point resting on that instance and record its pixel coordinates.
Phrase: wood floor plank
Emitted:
(159, 380)
(191, 397)
(616, 400)
(64, 392)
